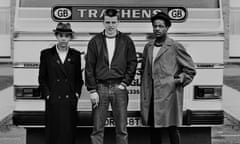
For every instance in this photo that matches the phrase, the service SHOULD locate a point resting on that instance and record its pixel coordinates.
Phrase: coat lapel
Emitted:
(150, 52)
(163, 49)
(118, 44)
(68, 61)
(57, 60)
(104, 46)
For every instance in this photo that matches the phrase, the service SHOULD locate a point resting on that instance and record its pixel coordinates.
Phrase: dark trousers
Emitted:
(118, 98)
(155, 133)
(61, 119)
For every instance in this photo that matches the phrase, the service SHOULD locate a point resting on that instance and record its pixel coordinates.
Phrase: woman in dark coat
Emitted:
(60, 82)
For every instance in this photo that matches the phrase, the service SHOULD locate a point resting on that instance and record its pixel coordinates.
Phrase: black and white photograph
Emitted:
(119, 72)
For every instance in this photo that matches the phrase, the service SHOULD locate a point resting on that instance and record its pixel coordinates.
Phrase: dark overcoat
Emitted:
(62, 82)
(159, 79)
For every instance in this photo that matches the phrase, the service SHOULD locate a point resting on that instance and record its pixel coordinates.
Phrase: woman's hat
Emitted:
(63, 28)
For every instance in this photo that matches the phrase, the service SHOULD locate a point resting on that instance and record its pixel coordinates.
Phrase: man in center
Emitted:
(110, 67)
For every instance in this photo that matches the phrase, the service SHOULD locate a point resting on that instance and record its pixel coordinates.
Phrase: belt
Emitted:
(109, 81)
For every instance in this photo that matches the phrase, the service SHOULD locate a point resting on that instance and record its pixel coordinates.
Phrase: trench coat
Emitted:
(160, 79)
(60, 81)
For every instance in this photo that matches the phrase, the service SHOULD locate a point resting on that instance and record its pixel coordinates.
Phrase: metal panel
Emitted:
(234, 3)
(5, 3)
(234, 48)
(198, 49)
(5, 49)
(204, 77)
(187, 3)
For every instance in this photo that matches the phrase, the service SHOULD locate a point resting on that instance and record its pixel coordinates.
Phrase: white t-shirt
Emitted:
(62, 54)
(155, 52)
(111, 48)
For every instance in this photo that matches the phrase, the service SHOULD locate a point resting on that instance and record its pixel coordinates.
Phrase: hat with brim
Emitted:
(63, 28)
(162, 16)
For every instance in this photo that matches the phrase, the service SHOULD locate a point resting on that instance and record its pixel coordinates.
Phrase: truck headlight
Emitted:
(27, 93)
(207, 92)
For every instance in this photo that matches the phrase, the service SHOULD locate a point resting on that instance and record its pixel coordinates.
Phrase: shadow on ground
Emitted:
(232, 81)
(5, 81)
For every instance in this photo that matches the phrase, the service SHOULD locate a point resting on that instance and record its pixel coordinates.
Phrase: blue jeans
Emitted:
(118, 98)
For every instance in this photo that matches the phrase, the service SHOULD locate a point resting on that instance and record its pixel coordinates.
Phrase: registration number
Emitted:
(131, 122)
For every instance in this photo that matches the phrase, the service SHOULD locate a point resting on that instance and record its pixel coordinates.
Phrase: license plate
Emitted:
(131, 122)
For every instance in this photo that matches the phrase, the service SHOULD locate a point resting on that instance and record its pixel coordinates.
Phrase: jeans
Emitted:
(118, 98)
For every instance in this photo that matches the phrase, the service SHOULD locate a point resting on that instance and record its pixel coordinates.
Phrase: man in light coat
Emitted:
(166, 69)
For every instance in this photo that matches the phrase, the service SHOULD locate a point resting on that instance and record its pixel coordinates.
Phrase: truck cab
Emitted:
(201, 32)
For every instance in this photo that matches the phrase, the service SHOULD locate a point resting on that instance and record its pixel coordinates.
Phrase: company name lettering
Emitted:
(127, 14)
(124, 13)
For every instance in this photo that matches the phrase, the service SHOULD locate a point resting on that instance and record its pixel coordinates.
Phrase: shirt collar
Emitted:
(61, 51)
(103, 33)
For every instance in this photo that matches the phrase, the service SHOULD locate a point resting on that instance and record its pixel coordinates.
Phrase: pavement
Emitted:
(6, 95)
(231, 100)
(6, 103)
(231, 97)
(232, 69)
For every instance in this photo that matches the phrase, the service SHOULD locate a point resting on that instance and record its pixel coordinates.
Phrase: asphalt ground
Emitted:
(5, 81)
(6, 76)
(232, 76)
(11, 134)
(229, 133)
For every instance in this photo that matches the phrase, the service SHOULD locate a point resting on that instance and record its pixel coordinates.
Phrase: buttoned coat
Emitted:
(60, 81)
(159, 79)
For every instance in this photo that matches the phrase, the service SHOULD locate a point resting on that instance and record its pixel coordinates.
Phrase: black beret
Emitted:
(162, 16)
